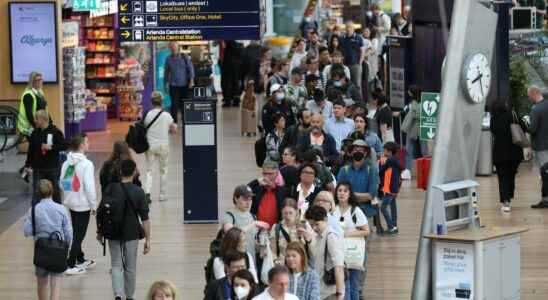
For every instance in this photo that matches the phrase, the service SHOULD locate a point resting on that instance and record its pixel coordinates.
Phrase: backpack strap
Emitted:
(353, 214)
(128, 200)
(233, 218)
(33, 220)
(154, 120)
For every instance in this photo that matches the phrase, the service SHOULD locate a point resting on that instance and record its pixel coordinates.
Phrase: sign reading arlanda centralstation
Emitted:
(188, 20)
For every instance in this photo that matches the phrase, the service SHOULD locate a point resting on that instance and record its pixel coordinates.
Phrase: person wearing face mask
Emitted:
(276, 105)
(350, 93)
(336, 62)
(221, 289)
(363, 175)
(244, 285)
(319, 139)
(298, 130)
(363, 132)
(313, 68)
(278, 285)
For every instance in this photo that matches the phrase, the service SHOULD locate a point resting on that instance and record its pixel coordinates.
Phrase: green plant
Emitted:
(518, 85)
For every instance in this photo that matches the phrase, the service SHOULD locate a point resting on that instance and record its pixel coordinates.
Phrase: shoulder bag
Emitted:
(519, 137)
(50, 253)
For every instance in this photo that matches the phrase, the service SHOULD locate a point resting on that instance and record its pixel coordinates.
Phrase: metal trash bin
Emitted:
(485, 149)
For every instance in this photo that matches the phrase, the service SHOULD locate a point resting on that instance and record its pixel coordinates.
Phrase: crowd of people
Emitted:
(331, 171)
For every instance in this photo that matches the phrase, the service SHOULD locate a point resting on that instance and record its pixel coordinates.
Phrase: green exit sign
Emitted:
(84, 5)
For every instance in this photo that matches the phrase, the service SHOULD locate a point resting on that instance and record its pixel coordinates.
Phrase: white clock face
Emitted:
(477, 77)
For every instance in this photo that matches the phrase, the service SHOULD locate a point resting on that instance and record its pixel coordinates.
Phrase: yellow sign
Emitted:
(124, 19)
(126, 34)
(123, 7)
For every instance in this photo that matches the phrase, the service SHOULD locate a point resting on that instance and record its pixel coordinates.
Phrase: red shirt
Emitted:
(268, 209)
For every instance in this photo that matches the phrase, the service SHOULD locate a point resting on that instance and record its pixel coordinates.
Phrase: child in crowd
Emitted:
(390, 182)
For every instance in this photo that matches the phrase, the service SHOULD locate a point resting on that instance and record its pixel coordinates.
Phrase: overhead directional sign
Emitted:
(188, 20)
(430, 105)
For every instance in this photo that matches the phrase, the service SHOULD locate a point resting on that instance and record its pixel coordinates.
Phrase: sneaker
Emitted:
(118, 298)
(75, 271)
(24, 174)
(393, 231)
(541, 204)
(505, 207)
(406, 174)
(87, 264)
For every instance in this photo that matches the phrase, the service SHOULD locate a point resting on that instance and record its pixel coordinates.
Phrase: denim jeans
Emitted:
(353, 284)
(410, 148)
(388, 201)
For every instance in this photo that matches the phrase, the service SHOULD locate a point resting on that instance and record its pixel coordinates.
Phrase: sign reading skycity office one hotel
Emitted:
(188, 20)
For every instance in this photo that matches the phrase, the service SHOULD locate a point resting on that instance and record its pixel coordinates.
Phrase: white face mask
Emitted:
(369, 14)
(241, 292)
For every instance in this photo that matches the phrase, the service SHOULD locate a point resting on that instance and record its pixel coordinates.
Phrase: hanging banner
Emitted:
(161, 55)
(104, 7)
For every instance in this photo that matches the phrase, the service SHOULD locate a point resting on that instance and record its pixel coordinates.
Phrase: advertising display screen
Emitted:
(33, 40)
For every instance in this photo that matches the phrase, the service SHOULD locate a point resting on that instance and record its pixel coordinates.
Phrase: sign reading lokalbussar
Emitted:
(188, 20)
(33, 39)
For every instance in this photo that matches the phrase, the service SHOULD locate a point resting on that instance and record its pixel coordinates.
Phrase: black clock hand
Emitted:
(477, 78)
(481, 87)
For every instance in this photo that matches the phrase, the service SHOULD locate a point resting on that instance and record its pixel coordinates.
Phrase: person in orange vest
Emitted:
(390, 182)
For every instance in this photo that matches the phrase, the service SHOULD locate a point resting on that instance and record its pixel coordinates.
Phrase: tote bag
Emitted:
(354, 253)
(519, 137)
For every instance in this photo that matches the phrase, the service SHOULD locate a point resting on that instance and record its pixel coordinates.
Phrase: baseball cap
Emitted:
(274, 88)
(359, 143)
(242, 190)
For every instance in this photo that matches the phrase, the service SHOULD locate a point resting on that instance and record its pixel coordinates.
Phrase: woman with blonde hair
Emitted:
(162, 290)
(46, 219)
(32, 100)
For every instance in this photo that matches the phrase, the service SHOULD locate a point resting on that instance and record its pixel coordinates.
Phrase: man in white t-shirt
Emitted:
(278, 285)
(158, 139)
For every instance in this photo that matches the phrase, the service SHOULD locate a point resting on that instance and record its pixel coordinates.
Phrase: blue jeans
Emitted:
(389, 201)
(353, 284)
(410, 148)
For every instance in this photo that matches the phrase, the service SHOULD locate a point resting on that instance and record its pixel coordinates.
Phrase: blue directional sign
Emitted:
(188, 20)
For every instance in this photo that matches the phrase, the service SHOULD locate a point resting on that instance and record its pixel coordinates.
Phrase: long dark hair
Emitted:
(120, 152)
(247, 276)
(230, 241)
(352, 199)
(330, 45)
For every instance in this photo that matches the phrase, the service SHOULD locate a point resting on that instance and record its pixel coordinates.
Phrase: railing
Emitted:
(9, 137)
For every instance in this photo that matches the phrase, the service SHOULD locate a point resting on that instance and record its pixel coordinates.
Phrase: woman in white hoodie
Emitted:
(78, 184)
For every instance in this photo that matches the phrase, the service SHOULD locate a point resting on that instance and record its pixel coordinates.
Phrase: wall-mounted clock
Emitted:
(476, 77)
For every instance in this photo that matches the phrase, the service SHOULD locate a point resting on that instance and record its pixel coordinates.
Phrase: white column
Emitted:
(269, 10)
(396, 6)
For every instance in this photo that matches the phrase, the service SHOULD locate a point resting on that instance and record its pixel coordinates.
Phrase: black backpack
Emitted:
(260, 151)
(214, 247)
(136, 137)
(110, 216)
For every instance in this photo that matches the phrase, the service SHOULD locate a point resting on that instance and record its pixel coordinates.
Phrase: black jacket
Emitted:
(48, 160)
(259, 191)
(329, 147)
(291, 137)
(539, 126)
(268, 111)
(215, 290)
(503, 149)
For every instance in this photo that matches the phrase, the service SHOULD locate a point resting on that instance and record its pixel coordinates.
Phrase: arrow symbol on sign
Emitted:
(430, 133)
(123, 7)
(124, 20)
(126, 34)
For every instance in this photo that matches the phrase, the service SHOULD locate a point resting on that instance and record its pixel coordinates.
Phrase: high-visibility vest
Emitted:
(23, 124)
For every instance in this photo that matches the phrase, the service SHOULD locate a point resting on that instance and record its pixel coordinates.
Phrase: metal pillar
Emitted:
(456, 146)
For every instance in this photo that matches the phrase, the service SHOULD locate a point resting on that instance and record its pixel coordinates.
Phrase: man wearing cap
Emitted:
(363, 175)
(339, 126)
(276, 105)
(241, 217)
(320, 105)
(267, 195)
